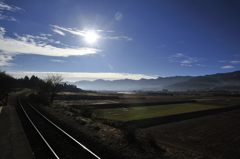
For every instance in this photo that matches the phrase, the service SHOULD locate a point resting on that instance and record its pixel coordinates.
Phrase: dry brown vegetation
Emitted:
(202, 137)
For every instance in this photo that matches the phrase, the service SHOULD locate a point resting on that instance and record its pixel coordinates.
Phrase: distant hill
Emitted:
(220, 81)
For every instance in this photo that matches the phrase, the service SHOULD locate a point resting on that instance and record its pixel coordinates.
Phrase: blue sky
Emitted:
(135, 39)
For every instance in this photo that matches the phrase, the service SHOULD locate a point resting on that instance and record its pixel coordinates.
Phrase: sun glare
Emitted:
(91, 37)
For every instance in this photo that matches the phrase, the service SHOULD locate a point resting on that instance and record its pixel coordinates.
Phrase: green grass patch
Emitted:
(144, 112)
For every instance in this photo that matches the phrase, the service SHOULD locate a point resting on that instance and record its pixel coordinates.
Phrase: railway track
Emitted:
(59, 144)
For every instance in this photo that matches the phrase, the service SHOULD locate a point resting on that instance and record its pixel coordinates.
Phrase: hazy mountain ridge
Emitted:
(220, 81)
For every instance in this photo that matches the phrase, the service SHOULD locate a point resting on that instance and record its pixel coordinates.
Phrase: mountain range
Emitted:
(220, 81)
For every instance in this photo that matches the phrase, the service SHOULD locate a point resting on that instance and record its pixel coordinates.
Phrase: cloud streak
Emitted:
(38, 45)
(58, 31)
(103, 34)
(227, 67)
(235, 62)
(6, 8)
(57, 61)
(229, 64)
(184, 60)
(126, 38)
(5, 60)
(77, 76)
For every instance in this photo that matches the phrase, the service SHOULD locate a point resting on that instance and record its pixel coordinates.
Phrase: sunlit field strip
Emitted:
(144, 112)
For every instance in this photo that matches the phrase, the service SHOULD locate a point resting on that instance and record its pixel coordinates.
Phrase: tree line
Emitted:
(45, 88)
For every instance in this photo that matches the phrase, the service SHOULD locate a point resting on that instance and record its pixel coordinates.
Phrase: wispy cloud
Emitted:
(235, 62)
(5, 60)
(8, 18)
(201, 65)
(103, 33)
(57, 61)
(2, 32)
(229, 63)
(42, 39)
(76, 76)
(117, 38)
(227, 67)
(58, 31)
(38, 45)
(6, 9)
(184, 60)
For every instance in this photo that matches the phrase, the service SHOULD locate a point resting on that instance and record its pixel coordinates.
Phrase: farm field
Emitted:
(178, 126)
(143, 112)
(215, 136)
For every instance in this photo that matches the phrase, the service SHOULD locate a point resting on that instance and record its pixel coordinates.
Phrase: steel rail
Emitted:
(64, 132)
(35, 127)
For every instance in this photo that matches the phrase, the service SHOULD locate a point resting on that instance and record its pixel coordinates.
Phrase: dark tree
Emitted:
(53, 84)
(6, 85)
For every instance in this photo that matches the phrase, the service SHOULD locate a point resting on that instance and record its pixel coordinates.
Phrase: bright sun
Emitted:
(91, 37)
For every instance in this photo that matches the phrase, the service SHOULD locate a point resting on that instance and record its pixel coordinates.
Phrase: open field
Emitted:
(143, 112)
(215, 136)
(182, 126)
